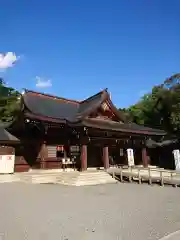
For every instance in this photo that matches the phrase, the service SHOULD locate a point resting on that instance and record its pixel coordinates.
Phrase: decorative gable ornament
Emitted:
(104, 106)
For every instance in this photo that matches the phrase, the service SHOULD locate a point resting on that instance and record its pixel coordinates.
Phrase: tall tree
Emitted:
(160, 108)
(9, 103)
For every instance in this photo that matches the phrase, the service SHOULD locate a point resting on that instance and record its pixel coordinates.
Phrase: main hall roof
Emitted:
(76, 113)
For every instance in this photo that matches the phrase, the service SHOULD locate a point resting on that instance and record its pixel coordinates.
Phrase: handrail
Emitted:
(147, 168)
(169, 177)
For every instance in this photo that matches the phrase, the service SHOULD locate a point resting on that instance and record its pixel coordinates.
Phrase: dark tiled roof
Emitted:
(60, 108)
(122, 127)
(52, 107)
(91, 103)
(5, 136)
(153, 144)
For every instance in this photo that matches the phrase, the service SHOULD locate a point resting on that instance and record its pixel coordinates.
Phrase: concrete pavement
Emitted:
(172, 236)
(103, 212)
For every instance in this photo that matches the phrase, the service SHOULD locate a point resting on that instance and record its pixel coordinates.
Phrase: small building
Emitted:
(8, 142)
(162, 152)
(6, 138)
(91, 133)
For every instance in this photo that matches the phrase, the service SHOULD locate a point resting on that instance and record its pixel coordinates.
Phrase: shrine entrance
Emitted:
(94, 156)
(117, 155)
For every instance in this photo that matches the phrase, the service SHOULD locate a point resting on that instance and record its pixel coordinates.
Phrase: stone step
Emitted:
(8, 178)
(83, 175)
(37, 174)
(92, 173)
(86, 179)
(73, 178)
(84, 183)
(40, 174)
(82, 178)
(44, 171)
(44, 179)
(94, 176)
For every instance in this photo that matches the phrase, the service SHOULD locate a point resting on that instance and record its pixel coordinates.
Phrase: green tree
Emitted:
(9, 102)
(171, 102)
(160, 108)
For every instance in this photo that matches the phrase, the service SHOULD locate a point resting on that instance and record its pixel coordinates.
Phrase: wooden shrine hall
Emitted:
(57, 132)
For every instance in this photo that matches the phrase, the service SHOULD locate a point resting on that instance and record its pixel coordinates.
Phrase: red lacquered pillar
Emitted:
(106, 157)
(84, 157)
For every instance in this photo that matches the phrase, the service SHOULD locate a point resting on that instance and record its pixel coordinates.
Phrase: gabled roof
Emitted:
(91, 103)
(76, 113)
(7, 137)
(43, 106)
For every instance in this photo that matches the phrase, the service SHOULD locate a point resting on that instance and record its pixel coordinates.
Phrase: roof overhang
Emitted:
(7, 138)
(120, 127)
(44, 118)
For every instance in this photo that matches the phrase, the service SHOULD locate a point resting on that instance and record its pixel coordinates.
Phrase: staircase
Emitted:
(42, 176)
(85, 178)
(94, 178)
(73, 178)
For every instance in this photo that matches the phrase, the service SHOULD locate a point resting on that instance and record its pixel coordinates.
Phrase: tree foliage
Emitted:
(160, 108)
(9, 103)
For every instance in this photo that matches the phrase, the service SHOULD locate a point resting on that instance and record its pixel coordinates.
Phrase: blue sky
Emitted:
(83, 46)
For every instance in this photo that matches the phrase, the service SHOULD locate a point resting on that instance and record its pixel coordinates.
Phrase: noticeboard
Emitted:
(130, 155)
(176, 154)
(75, 150)
(7, 163)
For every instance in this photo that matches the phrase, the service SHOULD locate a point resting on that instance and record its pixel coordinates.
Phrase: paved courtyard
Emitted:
(104, 212)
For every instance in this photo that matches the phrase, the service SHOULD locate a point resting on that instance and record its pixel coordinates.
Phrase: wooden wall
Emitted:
(34, 156)
(6, 150)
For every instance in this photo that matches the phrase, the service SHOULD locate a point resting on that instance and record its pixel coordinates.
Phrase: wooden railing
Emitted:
(141, 174)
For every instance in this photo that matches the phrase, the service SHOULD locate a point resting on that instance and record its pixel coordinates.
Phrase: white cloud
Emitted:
(43, 83)
(8, 60)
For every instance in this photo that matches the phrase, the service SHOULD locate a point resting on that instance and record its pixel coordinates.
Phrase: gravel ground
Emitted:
(104, 212)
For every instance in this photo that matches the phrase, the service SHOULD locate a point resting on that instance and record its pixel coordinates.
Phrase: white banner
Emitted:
(130, 155)
(121, 152)
(7, 163)
(176, 153)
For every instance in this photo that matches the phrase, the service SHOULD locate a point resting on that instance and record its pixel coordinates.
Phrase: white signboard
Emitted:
(7, 163)
(130, 155)
(177, 159)
(121, 152)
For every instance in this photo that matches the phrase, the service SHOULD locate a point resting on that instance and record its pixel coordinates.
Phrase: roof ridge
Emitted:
(66, 99)
(90, 98)
(117, 111)
(52, 96)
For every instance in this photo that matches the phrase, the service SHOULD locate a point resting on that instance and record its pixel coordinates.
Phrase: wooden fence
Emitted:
(141, 174)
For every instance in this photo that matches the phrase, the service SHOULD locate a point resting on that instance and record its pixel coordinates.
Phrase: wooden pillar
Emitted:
(43, 155)
(145, 157)
(83, 157)
(106, 157)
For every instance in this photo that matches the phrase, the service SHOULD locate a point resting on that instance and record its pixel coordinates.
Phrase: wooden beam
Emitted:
(84, 157)
(106, 157)
(144, 157)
